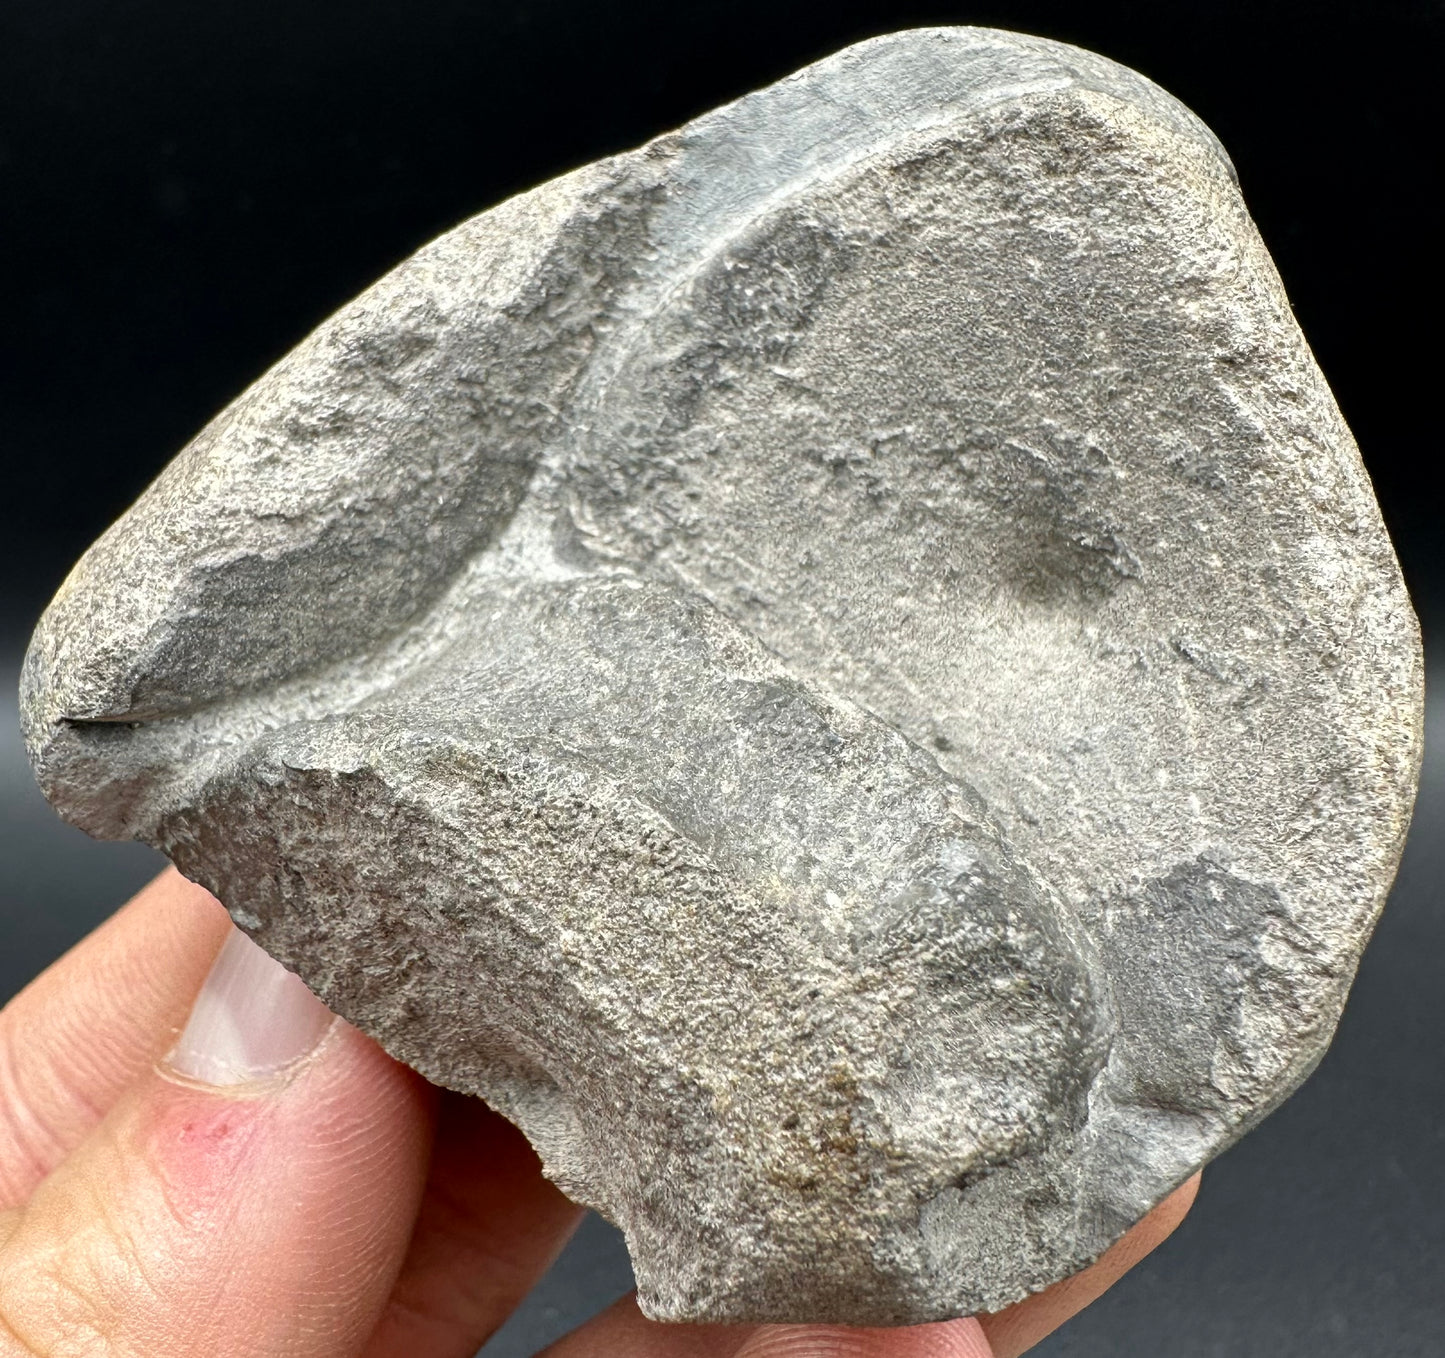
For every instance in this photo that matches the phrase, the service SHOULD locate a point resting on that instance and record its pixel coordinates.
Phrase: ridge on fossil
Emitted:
(841, 668)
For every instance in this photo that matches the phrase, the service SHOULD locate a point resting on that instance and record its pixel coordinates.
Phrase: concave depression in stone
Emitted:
(841, 669)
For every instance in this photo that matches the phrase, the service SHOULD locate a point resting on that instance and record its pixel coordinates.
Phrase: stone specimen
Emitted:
(841, 669)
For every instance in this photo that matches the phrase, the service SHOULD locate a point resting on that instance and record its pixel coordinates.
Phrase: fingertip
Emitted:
(251, 1021)
(622, 1331)
(93, 1022)
(245, 1218)
(944, 1339)
(1016, 1329)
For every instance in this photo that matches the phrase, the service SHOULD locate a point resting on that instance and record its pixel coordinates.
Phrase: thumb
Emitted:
(947, 1339)
(250, 1196)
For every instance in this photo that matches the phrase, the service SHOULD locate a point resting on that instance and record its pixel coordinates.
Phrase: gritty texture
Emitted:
(841, 669)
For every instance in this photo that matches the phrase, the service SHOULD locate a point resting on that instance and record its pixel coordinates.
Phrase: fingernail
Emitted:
(252, 1019)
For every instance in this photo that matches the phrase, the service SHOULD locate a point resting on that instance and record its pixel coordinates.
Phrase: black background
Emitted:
(187, 188)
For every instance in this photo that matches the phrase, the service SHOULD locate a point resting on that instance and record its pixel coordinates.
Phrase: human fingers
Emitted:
(84, 1029)
(1018, 1328)
(622, 1331)
(489, 1224)
(947, 1339)
(488, 1228)
(250, 1196)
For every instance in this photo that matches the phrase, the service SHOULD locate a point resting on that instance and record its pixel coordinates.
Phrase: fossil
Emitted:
(841, 669)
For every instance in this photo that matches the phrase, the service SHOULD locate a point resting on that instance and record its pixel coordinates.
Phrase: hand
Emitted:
(273, 1185)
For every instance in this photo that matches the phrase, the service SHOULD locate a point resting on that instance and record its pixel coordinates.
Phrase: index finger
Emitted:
(1018, 1328)
(622, 1331)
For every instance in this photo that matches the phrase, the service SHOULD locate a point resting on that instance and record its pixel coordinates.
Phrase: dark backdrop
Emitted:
(187, 188)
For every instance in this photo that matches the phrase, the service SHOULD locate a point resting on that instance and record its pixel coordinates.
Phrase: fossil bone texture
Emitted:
(841, 669)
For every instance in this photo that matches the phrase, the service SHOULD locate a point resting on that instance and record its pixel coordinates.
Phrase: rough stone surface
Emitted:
(841, 669)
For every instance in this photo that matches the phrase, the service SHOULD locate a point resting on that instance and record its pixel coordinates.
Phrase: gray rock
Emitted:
(841, 669)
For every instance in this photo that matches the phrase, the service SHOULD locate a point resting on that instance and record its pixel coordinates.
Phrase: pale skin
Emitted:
(339, 1208)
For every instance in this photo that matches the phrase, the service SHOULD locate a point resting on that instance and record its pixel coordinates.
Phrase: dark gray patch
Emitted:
(1184, 951)
(1050, 486)
(758, 300)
